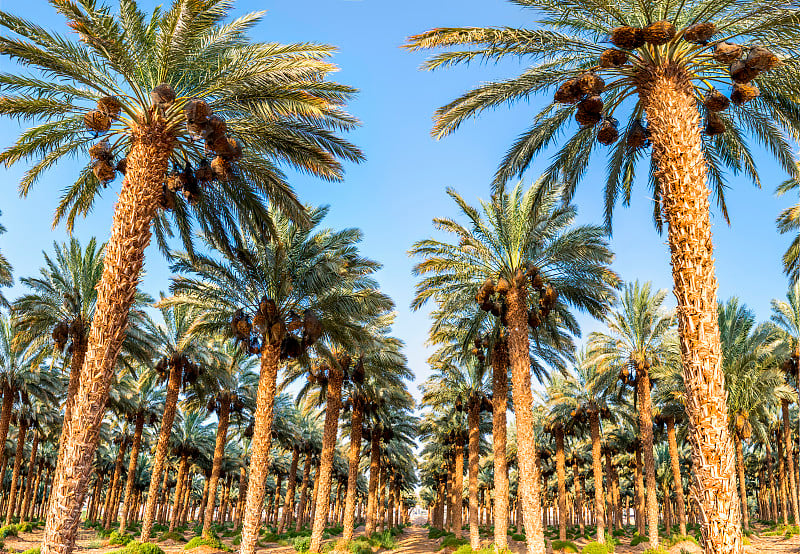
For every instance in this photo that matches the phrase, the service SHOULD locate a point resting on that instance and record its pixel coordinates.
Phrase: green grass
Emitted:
(638, 539)
(8, 530)
(34, 550)
(595, 548)
(94, 545)
(136, 547)
(302, 544)
(452, 541)
(519, 537)
(175, 536)
(117, 539)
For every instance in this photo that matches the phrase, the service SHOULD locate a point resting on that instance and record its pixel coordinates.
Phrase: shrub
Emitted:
(638, 539)
(26, 527)
(7, 531)
(618, 533)
(94, 545)
(452, 541)
(302, 544)
(171, 536)
(383, 540)
(115, 538)
(595, 548)
(34, 550)
(564, 546)
(136, 547)
(200, 541)
(435, 533)
(519, 537)
(268, 537)
(746, 541)
(657, 550)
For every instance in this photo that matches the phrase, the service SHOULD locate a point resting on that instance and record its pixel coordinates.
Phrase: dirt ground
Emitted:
(414, 540)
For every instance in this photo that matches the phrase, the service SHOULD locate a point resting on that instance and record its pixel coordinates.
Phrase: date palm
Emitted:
(789, 222)
(583, 397)
(181, 359)
(754, 388)
(149, 83)
(277, 298)
(191, 439)
(227, 388)
(522, 235)
(6, 277)
(668, 66)
(638, 329)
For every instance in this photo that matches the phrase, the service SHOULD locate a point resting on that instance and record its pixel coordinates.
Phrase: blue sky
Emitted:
(394, 195)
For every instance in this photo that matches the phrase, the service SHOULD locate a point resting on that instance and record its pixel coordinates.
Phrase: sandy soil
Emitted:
(413, 541)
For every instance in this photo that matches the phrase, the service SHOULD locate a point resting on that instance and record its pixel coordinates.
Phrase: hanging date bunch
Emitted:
(69, 332)
(293, 333)
(103, 165)
(213, 130)
(491, 297)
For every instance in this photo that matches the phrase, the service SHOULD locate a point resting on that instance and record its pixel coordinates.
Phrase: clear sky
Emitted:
(394, 195)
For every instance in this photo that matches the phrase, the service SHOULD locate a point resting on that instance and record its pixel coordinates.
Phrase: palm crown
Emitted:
(716, 45)
(256, 104)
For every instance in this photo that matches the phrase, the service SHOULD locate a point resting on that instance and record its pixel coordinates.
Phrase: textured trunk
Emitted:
(219, 454)
(31, 465)
(640, 508)
(474, 419)
(76, 364)
(290, 487)
(519, 354)
(458, 493)
(646, 433)
(676, 474)
(301, 507)
(333, 404)
(173, 388)
(176, 502)
(356, 421)
(771, 477)
(374, 461)
(34, 504)
(242, 494)
(5, 416)
(742, 483)
(783, 486)
(577, 481)
(680, 170)
(597, 470)
(561, 472)
(124, 256)
(790, 468)
(312, 510)
(136, 445)
(110, 508)
(262, 438)
(499, 406)
(12, 495)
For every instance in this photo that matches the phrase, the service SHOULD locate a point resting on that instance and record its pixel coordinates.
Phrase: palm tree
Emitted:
(277, 298)
(192, 438)
(149, 84)
(789, 222)
(636, 341)
(181, 360)
(753, 388)
(60, 306)
(142, 401)
(466, 388)
(6, 278)
(583, 396)
(227, 387)
(521, 236)
(667, 59)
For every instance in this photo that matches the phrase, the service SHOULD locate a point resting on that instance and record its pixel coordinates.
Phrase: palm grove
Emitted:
(200, 124)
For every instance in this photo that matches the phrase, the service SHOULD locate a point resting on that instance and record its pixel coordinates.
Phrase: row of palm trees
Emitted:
(523, 247)
(181, 371)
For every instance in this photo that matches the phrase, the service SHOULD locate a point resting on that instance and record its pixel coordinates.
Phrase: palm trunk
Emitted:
(183, 464)
(5, 416)
(173, 388)
(130, 234)
(356, 421)
(219, 454)
(770, 476)
(577, 481)
(561, 472)
(676, 474)
(458, 493)
(136, 445)
(242, 494)
(640, 502)
(374, 470)
(262, 438)
(782, 476)
(31, 465)
(474, 418)
(669, 102)
(790, 468)
(519, 354)
(742, 484)
(499, 407)
(76, 365)
(332, 406)
(597, 469)
(12, 495)
(646, 432)
(301, 507)
(112, 488)
(290, 487)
